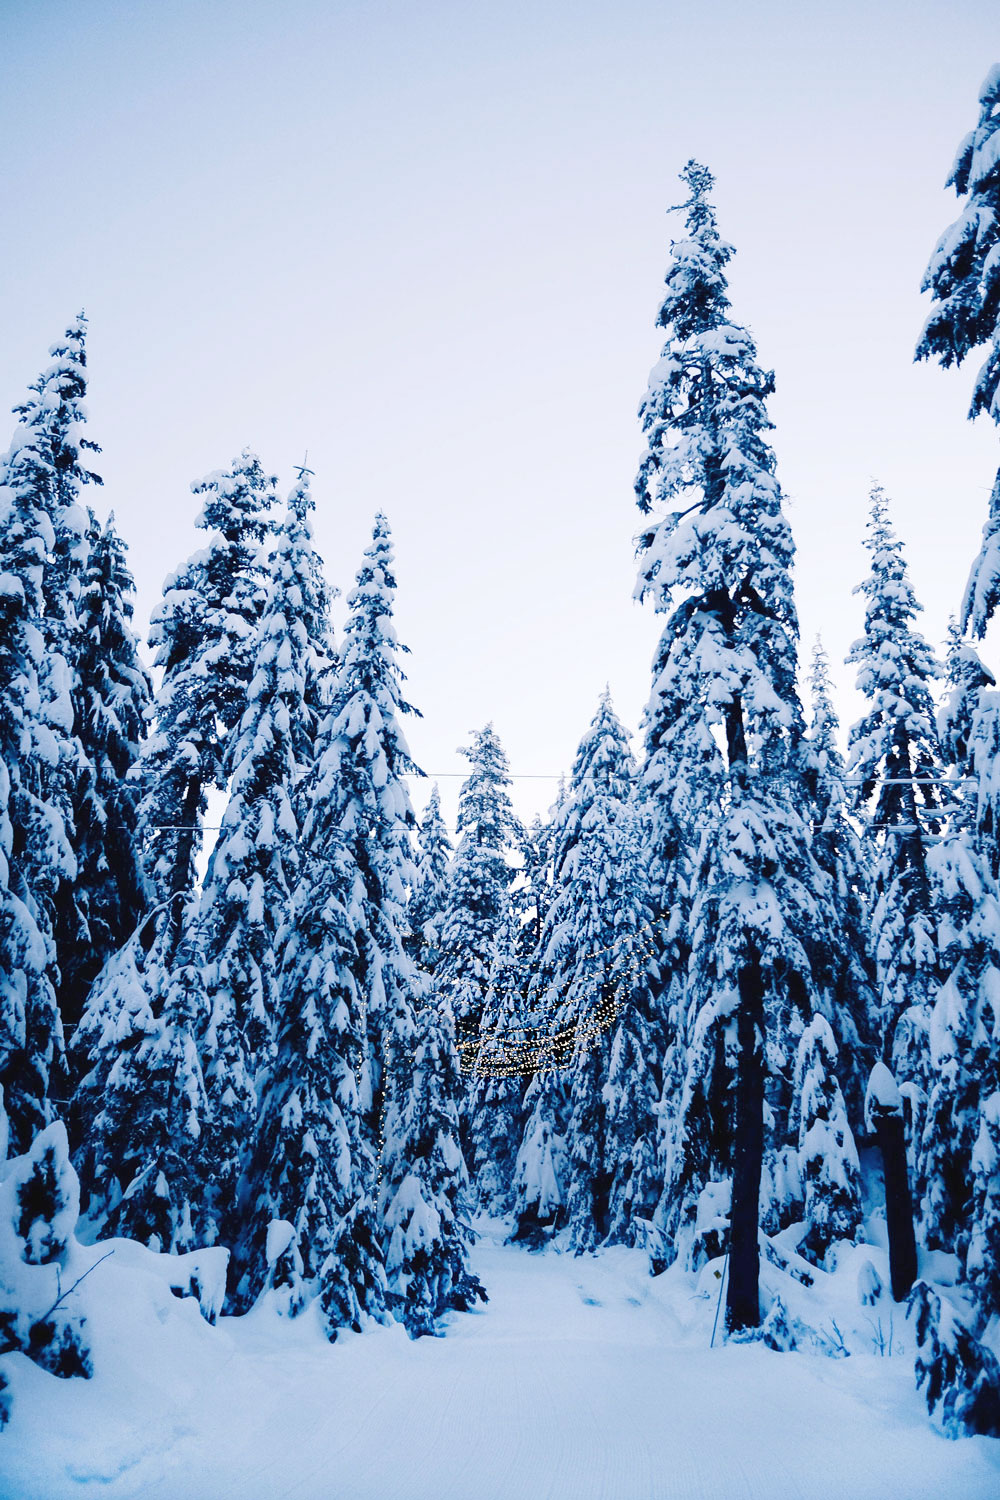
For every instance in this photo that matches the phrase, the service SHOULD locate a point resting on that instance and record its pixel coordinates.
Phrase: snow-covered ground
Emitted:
(583, 1379)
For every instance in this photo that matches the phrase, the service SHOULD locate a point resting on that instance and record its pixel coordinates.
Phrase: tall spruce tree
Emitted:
(616, 1077)
(895, 760)
(963, 274)
(42, 530)
(425, 1195)
(960, 1142)
(430, 878)
(363, 772)
(494, 1059)
(312, 1163)
(841, 952)
(345, 976)
(594, 1111)
(254, 864)
(203, 634)
(111, 699)
(479, 881)
(140, 1108)
(719, 564)
(956, 1151)
(364, 766)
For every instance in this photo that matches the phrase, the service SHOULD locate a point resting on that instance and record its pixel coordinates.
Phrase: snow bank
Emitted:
(582, 1379)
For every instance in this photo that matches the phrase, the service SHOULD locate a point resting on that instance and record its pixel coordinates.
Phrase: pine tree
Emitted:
(963, 274)
(57, 415)
(960, 1136)
(254, 864)
(479, 882)
(424, 1200)
(536, 879)
(603, 767)
(589, 984)
(719, 565)
(895, 759)
(41, 534)
(963, 1082)
(828, 1158)
(39, 1204)
(363, 768)
(141, 1102)
(497, 1070)
(963, 278)
(430, 880)
(312, 1164)
(203, 633)
(960, 1376)
(311, 597)
(111, 697)
(634, 1080)
(840, 950)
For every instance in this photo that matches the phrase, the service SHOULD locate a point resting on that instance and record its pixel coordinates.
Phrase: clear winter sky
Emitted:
(425, 239)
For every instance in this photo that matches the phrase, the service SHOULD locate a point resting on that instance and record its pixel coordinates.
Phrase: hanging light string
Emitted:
(519, 1051)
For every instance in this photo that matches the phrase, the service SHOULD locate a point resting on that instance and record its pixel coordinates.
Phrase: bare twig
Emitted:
(63, 1295)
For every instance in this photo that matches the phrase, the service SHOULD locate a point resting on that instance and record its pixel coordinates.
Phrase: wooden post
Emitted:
(743, 1294)
(884, 1115)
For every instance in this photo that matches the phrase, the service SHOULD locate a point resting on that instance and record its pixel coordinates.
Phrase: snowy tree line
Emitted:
(678, 1014)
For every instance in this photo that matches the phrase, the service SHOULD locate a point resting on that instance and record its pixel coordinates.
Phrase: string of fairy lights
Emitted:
(519, 1051)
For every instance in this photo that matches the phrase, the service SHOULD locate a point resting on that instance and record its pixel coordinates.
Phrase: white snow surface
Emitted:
(582, 1379)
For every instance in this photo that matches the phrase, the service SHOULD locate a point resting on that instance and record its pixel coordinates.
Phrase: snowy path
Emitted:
(581, 1380)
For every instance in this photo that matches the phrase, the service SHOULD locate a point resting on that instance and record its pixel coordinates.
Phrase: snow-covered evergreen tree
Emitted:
(312, 1164)
(960, 1377)
(840, 951)
(828, 1158)
(362, 772)
(424, 1201)
(957, 1159)
(963, 1074)
(716, 556)
(141, 1104)
(963, 274)
(111, 698)
(479, 882)
(895, 761)
(254, 864)
(430, 879)
(589, 1135)
(498, 1061)
(203, 634)
(540, 1166)
(42, 530)
(310, 604)
(963, 278)
(39, 1205)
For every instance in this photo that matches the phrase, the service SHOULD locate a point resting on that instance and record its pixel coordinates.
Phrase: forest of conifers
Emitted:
(729, 980)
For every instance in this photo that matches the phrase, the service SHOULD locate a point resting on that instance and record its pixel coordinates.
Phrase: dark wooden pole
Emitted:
(891, 1137)
(743, 1294)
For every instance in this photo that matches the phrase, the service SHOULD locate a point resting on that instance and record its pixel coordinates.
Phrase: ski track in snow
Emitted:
(582, 1379)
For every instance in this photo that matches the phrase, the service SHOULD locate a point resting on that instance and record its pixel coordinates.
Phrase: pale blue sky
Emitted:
(426, 242)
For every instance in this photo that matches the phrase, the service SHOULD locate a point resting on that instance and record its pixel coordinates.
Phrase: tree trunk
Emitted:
(898, 1205)
(743, 1295)
(182, 875)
